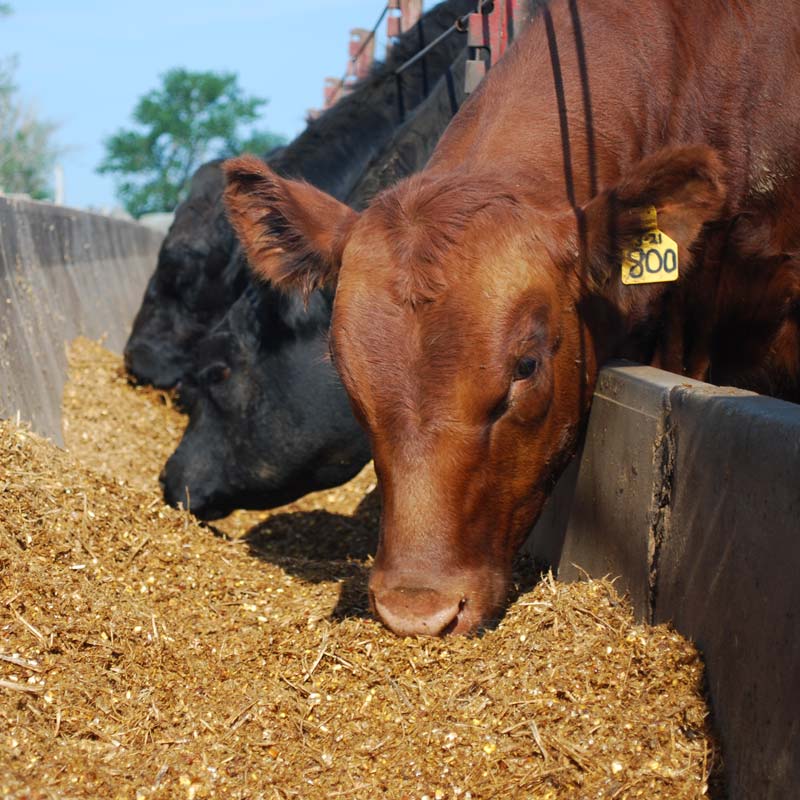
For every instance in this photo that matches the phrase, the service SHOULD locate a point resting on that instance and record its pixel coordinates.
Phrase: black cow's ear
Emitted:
(675, 191)
(293, 234)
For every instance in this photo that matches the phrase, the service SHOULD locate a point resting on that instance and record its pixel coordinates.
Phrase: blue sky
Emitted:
(84, 63)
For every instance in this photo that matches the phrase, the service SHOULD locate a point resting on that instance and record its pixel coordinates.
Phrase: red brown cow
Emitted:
(476, 300)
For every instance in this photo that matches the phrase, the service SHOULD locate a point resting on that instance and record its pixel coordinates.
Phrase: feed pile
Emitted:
(143, 655)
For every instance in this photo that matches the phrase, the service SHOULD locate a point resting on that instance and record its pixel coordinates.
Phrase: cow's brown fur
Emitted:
(286, 225)
(505, 252)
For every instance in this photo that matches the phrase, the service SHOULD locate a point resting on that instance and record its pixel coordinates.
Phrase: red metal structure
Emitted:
(334, 89)
(410, 12)
(489, 33)
(362, 53)
(490, 30)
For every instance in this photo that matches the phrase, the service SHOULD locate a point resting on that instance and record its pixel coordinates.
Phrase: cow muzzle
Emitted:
(147, 364)
(183, 490)
(415, 611)
(409, 605)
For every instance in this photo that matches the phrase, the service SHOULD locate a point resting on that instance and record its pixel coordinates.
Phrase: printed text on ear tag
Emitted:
(653, 258)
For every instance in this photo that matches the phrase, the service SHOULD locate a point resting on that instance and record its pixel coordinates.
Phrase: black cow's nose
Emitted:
(162, 478)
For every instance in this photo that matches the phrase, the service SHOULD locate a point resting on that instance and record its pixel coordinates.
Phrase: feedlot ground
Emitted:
(143, 655)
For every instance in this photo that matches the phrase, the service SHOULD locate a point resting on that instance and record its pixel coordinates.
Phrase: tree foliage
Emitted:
(27, 151)
(192, 118)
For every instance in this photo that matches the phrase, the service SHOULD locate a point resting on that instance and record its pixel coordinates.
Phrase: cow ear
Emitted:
(293, 233)
(685, 187)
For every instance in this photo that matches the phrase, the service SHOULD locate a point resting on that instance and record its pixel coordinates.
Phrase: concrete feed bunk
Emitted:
(63, 273)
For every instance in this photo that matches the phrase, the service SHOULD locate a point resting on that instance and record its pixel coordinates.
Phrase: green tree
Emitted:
(192, 118)
(27, 152)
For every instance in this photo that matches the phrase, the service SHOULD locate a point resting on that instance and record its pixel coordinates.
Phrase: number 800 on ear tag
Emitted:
(653, 258)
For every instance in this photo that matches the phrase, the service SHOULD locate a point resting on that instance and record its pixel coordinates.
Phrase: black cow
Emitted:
(195, 280)
(200, 270)
(269, 419)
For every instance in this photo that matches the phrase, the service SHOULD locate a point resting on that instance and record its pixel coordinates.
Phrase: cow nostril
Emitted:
(453, 624)
(411, 611)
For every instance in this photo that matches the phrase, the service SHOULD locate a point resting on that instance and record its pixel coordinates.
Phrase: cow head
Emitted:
(470, 318)
(268, 418)
(195, 281)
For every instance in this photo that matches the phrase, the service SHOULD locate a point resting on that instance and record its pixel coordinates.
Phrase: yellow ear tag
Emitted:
(653, 258)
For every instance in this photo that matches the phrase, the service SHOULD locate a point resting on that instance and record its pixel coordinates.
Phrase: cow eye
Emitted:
(216, 373)
(524, 368)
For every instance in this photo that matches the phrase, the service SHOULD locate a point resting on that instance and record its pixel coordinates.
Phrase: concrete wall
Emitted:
(691, 494)
(62, 273)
